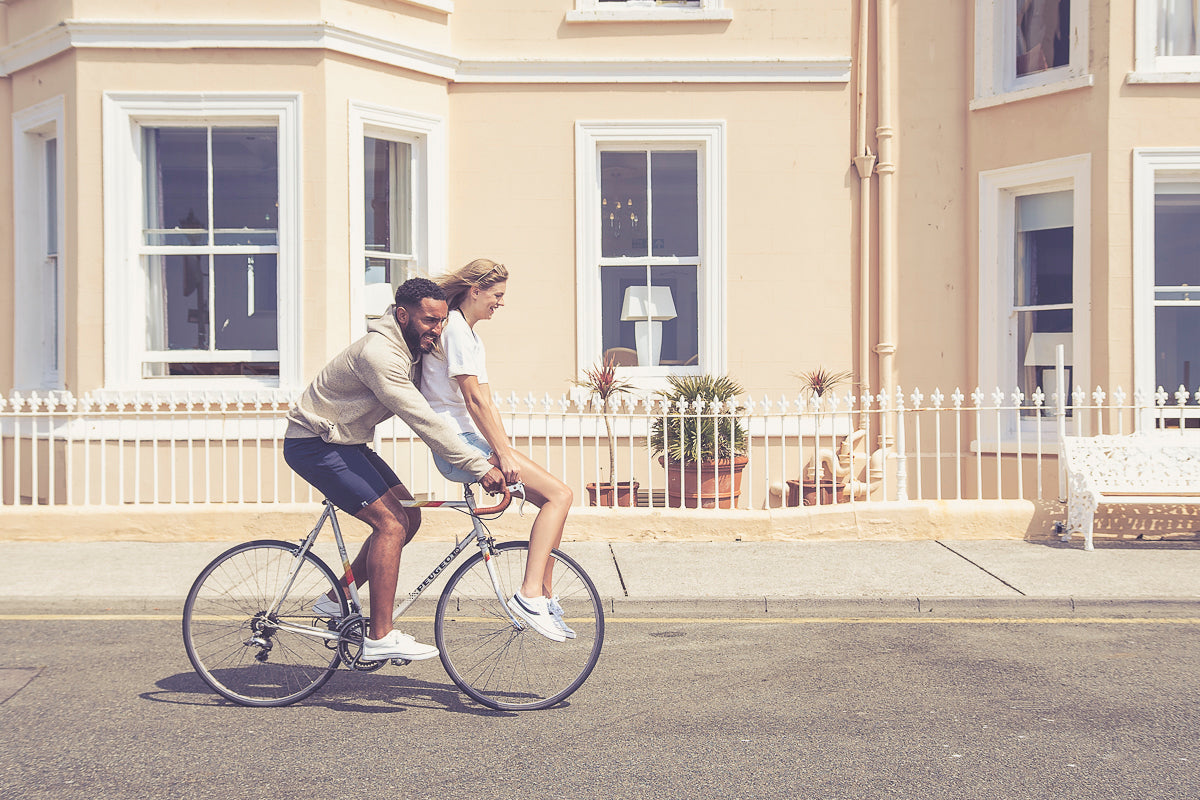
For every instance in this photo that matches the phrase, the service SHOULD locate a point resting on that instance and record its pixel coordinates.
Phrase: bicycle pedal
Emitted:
(400, 662)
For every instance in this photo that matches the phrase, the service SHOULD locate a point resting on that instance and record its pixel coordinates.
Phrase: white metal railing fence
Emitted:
(119, 450)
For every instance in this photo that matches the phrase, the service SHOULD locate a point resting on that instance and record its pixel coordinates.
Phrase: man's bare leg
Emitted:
(392, 527)
(358, 567)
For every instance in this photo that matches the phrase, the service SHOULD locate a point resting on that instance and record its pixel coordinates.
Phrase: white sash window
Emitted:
(1167, 42)
(1034, 283)
(201, 240)
(1166, 277)
(651, 246)
(1029, 48)
(39, 284)
(398, 227)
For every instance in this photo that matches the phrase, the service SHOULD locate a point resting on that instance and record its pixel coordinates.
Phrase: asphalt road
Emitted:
(1014, 707)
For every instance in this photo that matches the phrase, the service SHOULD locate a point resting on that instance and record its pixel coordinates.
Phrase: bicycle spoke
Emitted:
(233, 641)
(502, 666)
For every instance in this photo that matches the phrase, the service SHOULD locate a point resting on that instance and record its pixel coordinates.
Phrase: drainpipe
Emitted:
(885, 136)
(864, 163)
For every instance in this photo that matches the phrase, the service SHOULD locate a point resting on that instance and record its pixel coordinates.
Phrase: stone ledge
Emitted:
(907, 521)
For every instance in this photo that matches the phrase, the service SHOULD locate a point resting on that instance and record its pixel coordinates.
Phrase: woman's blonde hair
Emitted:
(482, 273)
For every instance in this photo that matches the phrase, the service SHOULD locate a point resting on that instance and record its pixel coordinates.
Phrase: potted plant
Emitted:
(818, 383)
(703, 448)
(604, 383)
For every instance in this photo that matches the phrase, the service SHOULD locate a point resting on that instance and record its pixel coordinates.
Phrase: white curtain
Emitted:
(1177, 27)
(156, 290)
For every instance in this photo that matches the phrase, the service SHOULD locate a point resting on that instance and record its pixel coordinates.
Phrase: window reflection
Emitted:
(650, 247)
(388, 211)
(1042, 30)
(212, 197)
(1177, 284)
(1043, 290)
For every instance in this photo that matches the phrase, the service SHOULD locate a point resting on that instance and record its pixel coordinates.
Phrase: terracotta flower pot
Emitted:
(604, 494)
(707, 484)
(809, 489)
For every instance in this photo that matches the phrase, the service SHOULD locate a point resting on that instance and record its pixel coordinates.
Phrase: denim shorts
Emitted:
(461, 475)
(352, 476)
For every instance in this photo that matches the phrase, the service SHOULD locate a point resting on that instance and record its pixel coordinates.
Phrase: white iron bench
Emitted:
(1161, 467)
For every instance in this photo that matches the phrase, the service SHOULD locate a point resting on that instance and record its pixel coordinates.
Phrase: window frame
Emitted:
(648, 11)
(125, 116)
(427, 137)
(996, 81)
(707, 137)
(1148, 65)
(1148, 164)
(998, 369)
(35, 335)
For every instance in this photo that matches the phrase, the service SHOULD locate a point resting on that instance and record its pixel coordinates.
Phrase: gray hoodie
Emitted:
(365, 384)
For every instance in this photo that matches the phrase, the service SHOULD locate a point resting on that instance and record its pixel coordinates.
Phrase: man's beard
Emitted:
(414, 341)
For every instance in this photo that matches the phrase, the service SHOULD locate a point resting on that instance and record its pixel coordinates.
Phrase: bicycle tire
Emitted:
(240, 652)
(503, 667)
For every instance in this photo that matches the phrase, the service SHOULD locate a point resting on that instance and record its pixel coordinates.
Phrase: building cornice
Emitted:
(140, 35)
(730, 70)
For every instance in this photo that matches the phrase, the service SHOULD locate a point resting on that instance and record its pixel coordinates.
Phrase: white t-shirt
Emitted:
(461, 353)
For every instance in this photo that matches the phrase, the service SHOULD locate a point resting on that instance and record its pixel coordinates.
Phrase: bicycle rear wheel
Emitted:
(246, 654)
(504, 667)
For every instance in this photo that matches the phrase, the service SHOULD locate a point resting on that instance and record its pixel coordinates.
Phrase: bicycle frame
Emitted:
(478, 532)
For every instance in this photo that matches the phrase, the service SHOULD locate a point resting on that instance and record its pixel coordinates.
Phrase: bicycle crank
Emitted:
(350, 644)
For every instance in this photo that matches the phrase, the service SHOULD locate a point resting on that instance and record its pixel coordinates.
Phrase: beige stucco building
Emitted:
(930, 194)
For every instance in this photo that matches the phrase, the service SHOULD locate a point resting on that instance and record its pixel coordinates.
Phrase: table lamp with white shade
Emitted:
(647, 307)
(1042, 353)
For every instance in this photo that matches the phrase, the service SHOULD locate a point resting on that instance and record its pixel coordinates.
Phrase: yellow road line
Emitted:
(696, 620)
(85, 617)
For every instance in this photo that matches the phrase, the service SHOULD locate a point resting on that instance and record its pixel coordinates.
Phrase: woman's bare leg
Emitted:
(553, 499)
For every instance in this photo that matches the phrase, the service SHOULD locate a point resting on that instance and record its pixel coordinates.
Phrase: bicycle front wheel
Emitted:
(500, 665)
(248, 647)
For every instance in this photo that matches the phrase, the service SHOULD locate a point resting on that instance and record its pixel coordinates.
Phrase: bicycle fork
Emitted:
(485, 547)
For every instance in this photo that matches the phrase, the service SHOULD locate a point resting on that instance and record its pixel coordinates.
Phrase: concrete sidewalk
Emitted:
(885, 576)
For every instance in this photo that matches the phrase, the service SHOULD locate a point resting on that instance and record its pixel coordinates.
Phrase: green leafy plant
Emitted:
(685, 435)
(820, 381)
(604, 384)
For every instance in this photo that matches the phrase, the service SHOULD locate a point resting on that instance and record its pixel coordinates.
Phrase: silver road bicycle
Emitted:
(252, 635)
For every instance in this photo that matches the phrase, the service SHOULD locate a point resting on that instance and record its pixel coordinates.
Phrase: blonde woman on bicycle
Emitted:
(455, 382)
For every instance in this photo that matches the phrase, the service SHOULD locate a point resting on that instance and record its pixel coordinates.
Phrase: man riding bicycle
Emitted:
(327, 437)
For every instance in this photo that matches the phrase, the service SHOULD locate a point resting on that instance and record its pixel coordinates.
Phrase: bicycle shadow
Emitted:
(348, 691)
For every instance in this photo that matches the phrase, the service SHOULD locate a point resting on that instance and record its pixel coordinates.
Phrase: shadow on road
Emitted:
(361, 693)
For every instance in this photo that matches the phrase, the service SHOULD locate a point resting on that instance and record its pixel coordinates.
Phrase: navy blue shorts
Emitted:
(352, 476)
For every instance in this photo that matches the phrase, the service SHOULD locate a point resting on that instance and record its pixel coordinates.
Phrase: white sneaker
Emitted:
(396, 645)
(556, 611)
(536, 612)
(326, 607)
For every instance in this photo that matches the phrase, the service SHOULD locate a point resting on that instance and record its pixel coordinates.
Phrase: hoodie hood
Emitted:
(389, 327)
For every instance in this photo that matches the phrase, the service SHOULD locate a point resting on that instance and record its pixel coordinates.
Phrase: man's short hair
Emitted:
(414, 290)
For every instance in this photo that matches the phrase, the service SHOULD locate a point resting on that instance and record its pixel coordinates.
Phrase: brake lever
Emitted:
(518, 488)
